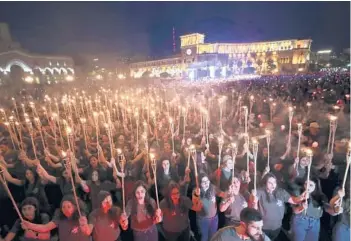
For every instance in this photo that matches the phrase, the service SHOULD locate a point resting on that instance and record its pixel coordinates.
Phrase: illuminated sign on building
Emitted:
(192, 39)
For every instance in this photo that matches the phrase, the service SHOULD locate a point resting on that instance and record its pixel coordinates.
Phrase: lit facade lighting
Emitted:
(328, 51)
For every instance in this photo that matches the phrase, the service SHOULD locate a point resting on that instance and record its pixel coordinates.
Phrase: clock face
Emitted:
(188, 51)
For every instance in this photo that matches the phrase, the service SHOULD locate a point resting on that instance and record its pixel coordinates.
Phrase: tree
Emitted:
(146, 74)
(165, 75)
(271, 65)
(249, 70)
(218, 72)
(253, 55)
(259, 64)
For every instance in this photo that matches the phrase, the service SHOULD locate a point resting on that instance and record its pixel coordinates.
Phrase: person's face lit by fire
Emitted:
(167, 147)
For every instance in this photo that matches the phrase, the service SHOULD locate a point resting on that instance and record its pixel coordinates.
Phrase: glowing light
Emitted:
(29, 79)
(192, 148)
(212, 72)
(68, 130)
(309, 152)
(327, 51)
(99, 77)
(69, 78)
(121, 76)
(333, 118)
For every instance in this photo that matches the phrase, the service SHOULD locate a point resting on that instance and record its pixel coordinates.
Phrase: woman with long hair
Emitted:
(70, 226)
(166, 174)
(270, 201)
(94, 185)
(30, 212)
(305, 223)
(175, 209)
(234, 203)
(33, 187)
(207, 218)
(64, 181)
(104, 221)
(223, 175)
(144, 214)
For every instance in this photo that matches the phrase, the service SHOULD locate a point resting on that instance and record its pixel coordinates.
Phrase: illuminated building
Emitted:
(199, 59)
(20, 66)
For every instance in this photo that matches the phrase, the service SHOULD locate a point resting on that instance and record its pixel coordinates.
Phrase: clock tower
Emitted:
(189, 44)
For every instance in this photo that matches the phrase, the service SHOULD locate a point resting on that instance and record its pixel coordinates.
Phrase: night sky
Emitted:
(145, 28)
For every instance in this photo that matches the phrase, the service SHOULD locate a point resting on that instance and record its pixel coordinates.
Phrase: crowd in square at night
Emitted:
(252, 159)
(175, 121)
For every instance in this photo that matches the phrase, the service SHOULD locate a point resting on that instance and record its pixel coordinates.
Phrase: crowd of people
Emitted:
(262, 159)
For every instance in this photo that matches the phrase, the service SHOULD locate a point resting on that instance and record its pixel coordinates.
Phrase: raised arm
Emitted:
(40, 228)
(45, 175)
(297, 200)
(53, 158)
(11, 179)
(196, 200)
(51, 163)
(23, 157)
(224, 205)
(9, 237)
(85, 227)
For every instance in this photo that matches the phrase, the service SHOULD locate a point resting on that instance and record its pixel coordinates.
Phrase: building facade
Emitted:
(215, 60)
(20, 66)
